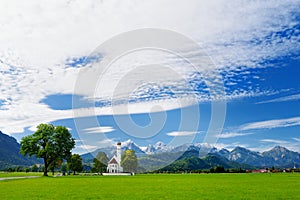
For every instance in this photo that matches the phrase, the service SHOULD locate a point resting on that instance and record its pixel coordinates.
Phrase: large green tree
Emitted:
(49, 143)
(129, 161)
(75, 163)
(54, 165)
(100, 162)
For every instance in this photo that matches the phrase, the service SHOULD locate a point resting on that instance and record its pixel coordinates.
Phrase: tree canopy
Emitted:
(50, 143)
(129, 161)
(100, 162)
(75, 163)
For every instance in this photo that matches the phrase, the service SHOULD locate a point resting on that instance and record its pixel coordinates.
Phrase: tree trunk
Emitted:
(46, 167)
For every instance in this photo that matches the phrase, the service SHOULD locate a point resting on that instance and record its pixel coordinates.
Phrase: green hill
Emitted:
(190, 161)
(9, 153)
(186, 164)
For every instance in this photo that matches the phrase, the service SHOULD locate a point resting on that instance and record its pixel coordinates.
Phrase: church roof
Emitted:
(113, 161)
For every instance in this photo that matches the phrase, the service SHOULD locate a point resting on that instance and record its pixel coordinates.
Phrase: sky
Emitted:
(214, 72)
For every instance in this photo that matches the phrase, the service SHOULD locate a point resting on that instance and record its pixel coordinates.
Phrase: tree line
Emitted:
(128, 162)
(53, 144)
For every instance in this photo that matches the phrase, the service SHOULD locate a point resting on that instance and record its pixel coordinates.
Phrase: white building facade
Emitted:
(114, 164)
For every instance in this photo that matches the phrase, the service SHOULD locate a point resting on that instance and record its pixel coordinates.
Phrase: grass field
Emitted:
(18, 174)
(169, 186)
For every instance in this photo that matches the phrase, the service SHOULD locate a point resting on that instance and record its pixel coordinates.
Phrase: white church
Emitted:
(114, 164)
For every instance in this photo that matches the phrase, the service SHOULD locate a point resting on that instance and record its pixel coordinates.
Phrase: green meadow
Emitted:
(154, 186)
(19, 174)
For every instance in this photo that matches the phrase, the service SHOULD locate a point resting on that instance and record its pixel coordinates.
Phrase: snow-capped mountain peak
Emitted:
(159, 145)
(129, 144)
(150, 149)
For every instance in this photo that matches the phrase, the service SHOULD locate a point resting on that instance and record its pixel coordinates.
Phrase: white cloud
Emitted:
(101, 129)
(89, 148)
(296, 139)
(270, 124)
(36, 40)
(107, 142)
(182, 133)
(34, 128)
(274, 141)
(282, 99)
(231, 135)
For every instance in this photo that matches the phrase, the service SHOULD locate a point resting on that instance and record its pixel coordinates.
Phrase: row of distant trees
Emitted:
(128, 162)
(75, 164)
(63, 168)
(216, 169)
(33, 168)
(54, 144)
(221, 169)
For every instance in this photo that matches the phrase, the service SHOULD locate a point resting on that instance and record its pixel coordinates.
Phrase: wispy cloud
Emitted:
(231, 135)
(106, 142)
(34, 128)
(296, 139)
(294, 97)
(270, 124)
(88, 147)
(274, 141)
(101, 129)
(182, 133)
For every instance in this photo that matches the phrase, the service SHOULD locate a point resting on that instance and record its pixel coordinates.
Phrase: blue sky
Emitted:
(243, 115)
(51, 55)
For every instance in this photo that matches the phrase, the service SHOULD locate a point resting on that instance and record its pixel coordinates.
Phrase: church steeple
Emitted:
(119, 153)
(114, 165)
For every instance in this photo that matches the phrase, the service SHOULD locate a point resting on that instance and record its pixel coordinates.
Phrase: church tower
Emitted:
(114, 165)
(119, 153)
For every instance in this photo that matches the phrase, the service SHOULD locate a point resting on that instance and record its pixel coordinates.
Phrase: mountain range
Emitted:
(9, 153)
(161, 155)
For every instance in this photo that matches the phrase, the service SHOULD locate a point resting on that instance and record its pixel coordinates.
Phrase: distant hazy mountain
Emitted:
(9, 153)
(281, 156)
(158, 160)
(224, 152)
(88, 157)
(190, 160)
(243, 155)
(203, 149)
(278, 157)
(215, 159)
